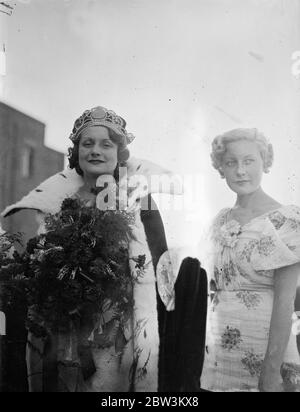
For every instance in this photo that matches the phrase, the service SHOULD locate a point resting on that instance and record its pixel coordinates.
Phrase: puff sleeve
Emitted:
(278, 244)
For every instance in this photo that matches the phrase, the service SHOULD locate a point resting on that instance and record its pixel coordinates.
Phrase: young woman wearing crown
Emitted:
(99, 147)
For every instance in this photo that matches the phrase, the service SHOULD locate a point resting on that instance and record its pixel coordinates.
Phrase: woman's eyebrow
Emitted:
(229, 158)
(88, 138)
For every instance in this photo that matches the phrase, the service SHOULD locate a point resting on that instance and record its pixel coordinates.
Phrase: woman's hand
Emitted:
(285, 284)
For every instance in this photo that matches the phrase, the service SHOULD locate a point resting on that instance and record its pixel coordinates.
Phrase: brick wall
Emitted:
(24, 163)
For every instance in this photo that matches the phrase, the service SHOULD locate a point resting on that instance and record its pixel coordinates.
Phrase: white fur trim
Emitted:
(145, 314)
(48, 196)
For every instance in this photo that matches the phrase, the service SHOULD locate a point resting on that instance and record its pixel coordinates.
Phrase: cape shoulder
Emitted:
(48, 196)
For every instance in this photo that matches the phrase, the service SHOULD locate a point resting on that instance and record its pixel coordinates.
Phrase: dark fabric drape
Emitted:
(186, 328)
(191, 291)
(156, 239)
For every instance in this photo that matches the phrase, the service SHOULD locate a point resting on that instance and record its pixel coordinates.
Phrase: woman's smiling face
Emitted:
(242, 166)
(98, 154)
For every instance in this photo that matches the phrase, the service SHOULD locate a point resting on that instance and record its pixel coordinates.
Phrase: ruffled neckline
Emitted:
(262, 216)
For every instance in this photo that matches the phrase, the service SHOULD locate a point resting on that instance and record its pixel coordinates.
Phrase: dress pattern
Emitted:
(244, 260)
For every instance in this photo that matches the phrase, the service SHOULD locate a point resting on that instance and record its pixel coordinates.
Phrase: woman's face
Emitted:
(98, 154)
(243, 167)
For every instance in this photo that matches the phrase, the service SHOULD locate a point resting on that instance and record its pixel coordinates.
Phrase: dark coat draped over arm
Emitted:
(182, 332)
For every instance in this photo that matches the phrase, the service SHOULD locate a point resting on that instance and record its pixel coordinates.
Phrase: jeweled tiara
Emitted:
(100, 116)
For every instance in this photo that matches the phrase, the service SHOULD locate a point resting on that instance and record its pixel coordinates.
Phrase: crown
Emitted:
(100, 116)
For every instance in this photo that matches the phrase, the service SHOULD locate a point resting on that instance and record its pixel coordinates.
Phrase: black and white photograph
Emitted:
(149, 198)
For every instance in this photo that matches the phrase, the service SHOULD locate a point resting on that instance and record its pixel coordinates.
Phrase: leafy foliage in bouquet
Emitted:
(7, 242)
(8, 254)
(75, 271)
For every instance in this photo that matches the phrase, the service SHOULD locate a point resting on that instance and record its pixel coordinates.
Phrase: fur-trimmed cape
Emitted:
(47, 198)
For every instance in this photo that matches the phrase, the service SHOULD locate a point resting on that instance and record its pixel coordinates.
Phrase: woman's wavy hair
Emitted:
(253, 135)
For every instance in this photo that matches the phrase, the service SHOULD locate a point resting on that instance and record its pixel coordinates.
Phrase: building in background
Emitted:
(24, 163)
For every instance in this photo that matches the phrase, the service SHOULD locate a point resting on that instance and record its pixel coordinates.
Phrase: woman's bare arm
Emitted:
(285, 287)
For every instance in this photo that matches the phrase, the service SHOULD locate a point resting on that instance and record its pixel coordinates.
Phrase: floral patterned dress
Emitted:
(245, 258)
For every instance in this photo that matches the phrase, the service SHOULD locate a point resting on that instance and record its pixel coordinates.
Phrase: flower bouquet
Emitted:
(7, 242)
(76, 281)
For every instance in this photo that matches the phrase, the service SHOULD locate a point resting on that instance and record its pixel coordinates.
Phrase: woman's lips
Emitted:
(96, 162)
(242, 182)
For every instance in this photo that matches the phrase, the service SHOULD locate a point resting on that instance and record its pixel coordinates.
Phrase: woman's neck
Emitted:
(89, 183)
(252, 201)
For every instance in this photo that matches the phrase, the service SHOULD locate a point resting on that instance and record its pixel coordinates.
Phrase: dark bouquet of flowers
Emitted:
(7, 253)
(77, 272)
(7, 242)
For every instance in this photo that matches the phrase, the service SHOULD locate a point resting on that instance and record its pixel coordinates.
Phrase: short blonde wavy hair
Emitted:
(252, 135)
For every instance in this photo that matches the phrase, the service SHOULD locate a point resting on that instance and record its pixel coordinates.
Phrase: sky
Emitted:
(179, 71)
